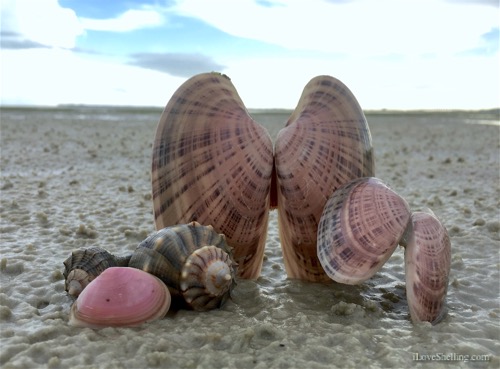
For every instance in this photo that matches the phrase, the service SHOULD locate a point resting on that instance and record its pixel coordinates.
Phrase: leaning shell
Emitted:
(120, 297)
(194, 261)
(360, 228)
(212, 163)
(325, 144)
(427, 268)
(84, 265)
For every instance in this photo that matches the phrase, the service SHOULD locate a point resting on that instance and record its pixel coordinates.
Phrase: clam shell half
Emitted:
(427, 268)
(361, 226)
(212, 163)
(325, 144)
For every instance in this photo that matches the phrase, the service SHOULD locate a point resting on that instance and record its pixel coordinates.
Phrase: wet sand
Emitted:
(74, 178)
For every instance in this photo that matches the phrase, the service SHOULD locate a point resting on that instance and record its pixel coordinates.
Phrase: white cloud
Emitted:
(41, 21)
(63, 77)
(128, 21)
(448, 83)
(45, 22)
(427, 72)
(362, 27)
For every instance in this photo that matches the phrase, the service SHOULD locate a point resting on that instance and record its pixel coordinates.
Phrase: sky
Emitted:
(392, 54)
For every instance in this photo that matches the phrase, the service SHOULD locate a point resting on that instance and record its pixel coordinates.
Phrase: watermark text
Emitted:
(440, 356)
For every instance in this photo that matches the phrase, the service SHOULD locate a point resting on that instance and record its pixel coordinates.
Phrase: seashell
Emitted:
(361, 226)
(325, 144)
(194, 261)
(427, 268)
(212, 163)
(120, 297)
(83, 265)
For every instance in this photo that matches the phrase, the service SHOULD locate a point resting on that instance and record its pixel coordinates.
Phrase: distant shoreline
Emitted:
(493, 113)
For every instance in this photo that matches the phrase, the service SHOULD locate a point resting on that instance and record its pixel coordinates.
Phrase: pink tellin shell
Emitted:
(427, 268)
(120, 297)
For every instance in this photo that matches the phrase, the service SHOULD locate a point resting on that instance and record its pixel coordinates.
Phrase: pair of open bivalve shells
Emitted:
(215, 176)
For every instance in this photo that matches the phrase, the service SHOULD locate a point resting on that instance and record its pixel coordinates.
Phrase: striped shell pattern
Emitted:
(216, 175)
(212, 163)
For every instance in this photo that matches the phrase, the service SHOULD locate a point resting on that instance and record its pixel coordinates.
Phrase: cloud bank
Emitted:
(176, 64)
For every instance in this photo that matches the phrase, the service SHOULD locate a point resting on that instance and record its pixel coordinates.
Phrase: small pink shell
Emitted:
(120, 296)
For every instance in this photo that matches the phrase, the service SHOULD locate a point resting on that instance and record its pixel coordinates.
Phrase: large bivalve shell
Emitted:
(194, 261)
(212, 163)
(325, 144)
(360, 228)
(427, 268)
(120, 297)
(84, 265)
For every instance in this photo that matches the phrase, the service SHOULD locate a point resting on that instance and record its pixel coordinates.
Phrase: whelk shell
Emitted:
(84, 265)
(120, 297)
(194, 261)
(427, 268)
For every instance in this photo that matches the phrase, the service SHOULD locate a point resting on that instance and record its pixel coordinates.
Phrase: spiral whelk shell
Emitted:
(194, 261)
(83, 265)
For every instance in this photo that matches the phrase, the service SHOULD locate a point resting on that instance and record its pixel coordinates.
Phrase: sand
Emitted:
(79, 177)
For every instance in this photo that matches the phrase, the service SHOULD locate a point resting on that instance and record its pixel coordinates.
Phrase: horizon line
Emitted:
(250, 110)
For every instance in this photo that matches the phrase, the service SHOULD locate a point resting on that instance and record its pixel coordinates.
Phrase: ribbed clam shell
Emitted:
(83, 265)
(360, 228)
(212, 164)
(168, 253)
(325, 144)
(120, 297)
(427, 268)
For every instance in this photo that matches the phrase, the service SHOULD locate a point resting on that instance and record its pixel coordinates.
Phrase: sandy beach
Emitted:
(79, 177)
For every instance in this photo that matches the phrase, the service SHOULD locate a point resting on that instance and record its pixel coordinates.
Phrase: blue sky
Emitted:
(393, 54)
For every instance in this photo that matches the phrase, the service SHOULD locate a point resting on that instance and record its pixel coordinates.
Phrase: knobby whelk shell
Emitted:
(212, 163)
(84, 265)
(120, 297)
(427, 267)
(361, 226)
(194, 261)
(325, 144)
